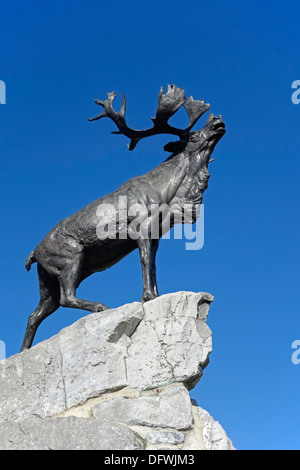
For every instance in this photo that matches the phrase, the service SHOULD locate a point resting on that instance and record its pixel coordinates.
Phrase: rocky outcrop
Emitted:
(117, 379)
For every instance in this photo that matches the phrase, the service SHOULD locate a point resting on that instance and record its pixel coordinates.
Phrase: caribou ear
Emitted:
(175, 147)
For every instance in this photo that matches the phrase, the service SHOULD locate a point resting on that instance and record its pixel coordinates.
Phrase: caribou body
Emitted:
(76, 247)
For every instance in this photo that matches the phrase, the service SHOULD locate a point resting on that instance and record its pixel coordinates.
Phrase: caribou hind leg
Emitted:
(68, 281)
(49, 303)
(56, 292)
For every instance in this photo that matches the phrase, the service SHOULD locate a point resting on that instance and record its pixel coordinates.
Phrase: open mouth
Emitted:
(217, 131)
(216, 125)
(219, 126)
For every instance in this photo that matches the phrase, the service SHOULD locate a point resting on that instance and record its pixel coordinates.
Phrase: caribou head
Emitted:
(193, 149)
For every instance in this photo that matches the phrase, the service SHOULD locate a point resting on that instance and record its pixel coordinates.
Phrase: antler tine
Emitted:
(108, 108)
(117, 118)
(195, 109)
(168, 104)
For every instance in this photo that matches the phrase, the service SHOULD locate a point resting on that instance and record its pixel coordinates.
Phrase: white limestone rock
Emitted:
(67, 434)
(166, 437)
(172, 343)
(214, 436)
(171, 408)
(114, 380)
(141, 346)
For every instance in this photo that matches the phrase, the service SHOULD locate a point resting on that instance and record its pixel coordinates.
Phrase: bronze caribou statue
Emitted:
(73, 250)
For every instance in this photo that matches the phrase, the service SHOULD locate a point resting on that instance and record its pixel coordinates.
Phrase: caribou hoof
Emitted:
(148, 296)
(100, 308)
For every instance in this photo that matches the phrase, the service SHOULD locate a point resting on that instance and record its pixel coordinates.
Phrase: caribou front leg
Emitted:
(147, 249)
(154, 249)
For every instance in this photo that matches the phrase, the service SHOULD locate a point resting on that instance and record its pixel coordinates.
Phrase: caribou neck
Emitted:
(179, 180)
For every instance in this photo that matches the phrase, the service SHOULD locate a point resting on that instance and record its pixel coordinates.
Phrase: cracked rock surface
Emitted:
(68, 434)
(120, 375)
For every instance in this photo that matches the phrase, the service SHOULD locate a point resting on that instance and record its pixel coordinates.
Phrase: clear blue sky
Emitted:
(56, 57)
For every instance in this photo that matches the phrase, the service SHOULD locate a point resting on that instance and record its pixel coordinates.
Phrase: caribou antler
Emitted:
(168, 105)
